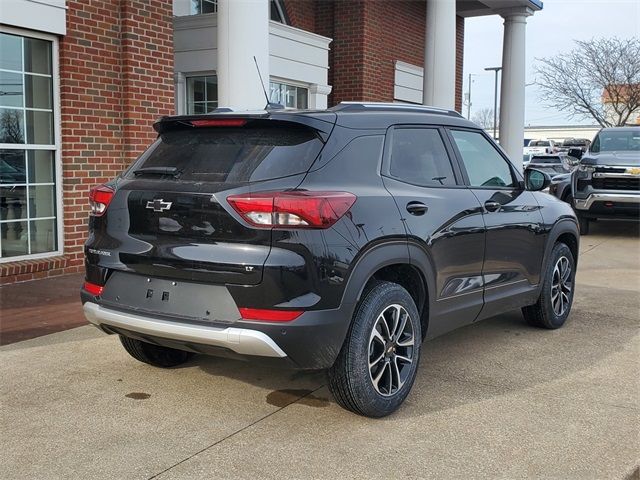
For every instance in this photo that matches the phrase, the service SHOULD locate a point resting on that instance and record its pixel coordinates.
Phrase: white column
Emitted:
(512, 93)
(243, 32)
(180, 90)
(318, 96)
(439, 81)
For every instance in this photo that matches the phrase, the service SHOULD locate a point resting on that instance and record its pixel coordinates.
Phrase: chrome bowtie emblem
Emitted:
(158, 205)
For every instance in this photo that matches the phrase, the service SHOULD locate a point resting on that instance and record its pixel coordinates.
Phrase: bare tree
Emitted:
(600, 78)
(484, 118)
(11, 127)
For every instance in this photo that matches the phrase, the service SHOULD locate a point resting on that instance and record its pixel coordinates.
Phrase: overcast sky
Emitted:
(549, 32)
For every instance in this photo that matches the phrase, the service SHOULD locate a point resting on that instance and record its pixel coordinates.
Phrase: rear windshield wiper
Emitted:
(171, 171)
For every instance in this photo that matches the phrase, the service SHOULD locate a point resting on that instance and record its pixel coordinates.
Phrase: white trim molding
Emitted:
(408, 82)
(48, 16)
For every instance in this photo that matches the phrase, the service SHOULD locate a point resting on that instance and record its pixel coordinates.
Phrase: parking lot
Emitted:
(498, 399)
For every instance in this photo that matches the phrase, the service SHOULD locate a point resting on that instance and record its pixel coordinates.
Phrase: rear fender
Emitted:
(384, 254)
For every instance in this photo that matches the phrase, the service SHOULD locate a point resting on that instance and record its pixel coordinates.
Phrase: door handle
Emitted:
(417, 208)
(492, 206)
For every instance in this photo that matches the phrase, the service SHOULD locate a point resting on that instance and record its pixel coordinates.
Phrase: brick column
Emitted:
(147, 71)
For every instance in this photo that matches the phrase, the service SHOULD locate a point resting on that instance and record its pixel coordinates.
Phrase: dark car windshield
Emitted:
(539, 143)
(230, 155)
(616, 141)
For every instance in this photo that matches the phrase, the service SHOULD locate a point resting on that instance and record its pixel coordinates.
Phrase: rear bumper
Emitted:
(310, 342)
(240, 340)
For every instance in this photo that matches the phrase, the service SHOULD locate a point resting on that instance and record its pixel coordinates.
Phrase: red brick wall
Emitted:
(459, 61)
(301, 14)
(116, 78)
(368, 37)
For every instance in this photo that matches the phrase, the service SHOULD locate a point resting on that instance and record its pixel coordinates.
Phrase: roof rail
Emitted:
(360, 106)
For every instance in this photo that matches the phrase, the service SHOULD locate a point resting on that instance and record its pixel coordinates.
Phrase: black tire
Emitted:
(583, 223)
(351, 381)
(568, 198)
(546, 312)
(155, 355)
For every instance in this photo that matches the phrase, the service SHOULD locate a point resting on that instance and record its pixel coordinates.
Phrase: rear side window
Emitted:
(485, 166)
(231, 155)
(419, 157)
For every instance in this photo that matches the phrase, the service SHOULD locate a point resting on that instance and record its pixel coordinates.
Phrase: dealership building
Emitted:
(82, 81)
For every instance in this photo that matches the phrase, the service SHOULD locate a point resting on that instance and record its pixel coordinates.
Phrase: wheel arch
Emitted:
(399, 262)
(565, 231)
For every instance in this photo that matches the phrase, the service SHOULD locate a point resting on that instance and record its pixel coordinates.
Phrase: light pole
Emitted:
(495, 99)
(469, 97)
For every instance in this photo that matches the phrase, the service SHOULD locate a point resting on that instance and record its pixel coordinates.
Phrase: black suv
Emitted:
(607, 182)
(334, 239)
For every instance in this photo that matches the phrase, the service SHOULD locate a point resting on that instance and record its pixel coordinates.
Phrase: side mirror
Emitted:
(535, 180)
(575, 153)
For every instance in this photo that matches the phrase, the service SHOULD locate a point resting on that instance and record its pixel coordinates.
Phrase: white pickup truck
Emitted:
(541, 147)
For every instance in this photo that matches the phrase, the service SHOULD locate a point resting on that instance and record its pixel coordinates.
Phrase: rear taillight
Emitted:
(93, 289)
(99, 199)
(295, 209)
(266, 315)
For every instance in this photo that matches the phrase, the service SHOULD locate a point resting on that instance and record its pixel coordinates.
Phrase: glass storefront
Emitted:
(28, 190)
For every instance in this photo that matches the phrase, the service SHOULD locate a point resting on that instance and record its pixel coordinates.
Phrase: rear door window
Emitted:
(419, 157)
(233, 155)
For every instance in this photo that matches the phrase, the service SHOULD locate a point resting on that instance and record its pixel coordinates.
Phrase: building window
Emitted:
(28, 148)
(289, 96)
(203, 6)
(277, 11)
(202, 94)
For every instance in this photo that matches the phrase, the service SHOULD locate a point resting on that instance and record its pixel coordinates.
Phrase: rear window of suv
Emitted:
(233, 155)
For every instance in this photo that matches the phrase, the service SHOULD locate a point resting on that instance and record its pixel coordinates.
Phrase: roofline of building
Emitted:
(557, 127)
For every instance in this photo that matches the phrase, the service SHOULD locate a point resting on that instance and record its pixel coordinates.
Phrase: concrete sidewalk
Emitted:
(494, 400)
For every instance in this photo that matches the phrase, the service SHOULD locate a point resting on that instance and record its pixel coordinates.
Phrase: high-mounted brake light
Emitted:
(223, 122)
(99, 199)
(93, 288)
(295, 209)
(269, 315)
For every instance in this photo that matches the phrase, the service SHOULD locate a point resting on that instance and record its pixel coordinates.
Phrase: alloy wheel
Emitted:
(391, 350)
(561, 286)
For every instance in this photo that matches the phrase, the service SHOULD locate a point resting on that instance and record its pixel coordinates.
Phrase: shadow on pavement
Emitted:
(493, 357)
(614, 228)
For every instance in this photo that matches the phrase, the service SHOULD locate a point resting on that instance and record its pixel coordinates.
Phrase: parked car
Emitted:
(335, 239)
(607, 182)
(555, 164)
(541, 147)
(571, 143)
